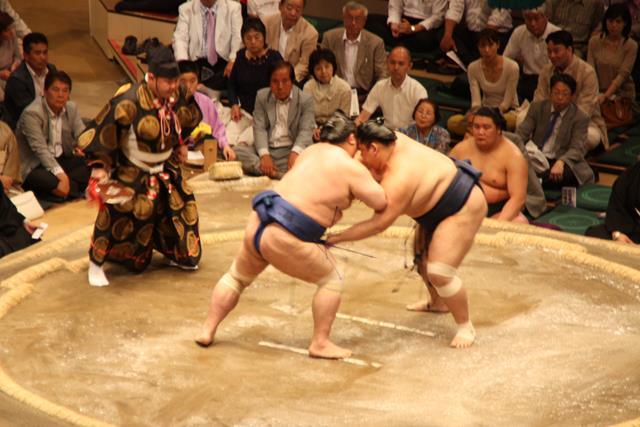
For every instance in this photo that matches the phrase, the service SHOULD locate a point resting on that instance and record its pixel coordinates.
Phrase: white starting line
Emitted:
(387, 325)
(304, 352)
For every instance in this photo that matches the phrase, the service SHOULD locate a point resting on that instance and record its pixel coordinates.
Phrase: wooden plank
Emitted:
(125, 61)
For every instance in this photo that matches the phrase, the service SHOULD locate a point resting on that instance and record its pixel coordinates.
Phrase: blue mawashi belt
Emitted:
(454, 197)
(271, 207)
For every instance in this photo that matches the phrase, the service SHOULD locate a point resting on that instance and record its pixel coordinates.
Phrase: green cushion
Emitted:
(593, 197)
(624, 155)
(572, 220)
(438, 92)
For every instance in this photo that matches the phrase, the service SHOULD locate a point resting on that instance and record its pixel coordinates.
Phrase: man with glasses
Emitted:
(292, 35)
(563, 60)
(557, 130)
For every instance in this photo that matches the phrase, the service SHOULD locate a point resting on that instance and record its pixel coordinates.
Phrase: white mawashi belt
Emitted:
(152, 163)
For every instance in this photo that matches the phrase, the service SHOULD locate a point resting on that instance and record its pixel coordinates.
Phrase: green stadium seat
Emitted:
(322, 25)
(624, 155)
(593, 197)
(439, 93)
(572, 220)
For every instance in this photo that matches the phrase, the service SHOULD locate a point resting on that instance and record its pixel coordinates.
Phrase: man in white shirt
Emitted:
(396, 95)
(412, 23)
(262, 8)
(360, 54)
(283, 124)
(208, 32)
(47, 133)
(527, 45)
(462, 37)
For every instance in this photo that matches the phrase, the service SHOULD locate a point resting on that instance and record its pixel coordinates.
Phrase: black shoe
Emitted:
(130, 46)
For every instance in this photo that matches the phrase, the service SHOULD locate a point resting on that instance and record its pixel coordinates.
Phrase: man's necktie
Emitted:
(212, 55)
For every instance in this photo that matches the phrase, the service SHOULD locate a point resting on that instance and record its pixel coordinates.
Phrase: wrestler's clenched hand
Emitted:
(267, 167)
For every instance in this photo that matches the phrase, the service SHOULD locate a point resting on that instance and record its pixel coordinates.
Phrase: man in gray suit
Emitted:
(557, 130)
(47, 131)
(283, 123)
(360, 54)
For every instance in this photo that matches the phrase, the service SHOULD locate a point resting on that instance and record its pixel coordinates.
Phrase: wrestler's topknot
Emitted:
(375, 130)
(338, 128)
(494, 114)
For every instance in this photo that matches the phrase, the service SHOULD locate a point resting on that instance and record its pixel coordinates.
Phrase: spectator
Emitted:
(478, 15)
(528, 47)
(622, 222)
(360, 54)
(262, 8)
(251, 70)
(557, 131)
(292, 35)
(21, 28)
(10, 55)
(26, 83)
(397, 94)
(560, 49)
(612, 54)
(329, 92)
(580, 18)
(425, 128)
(414, 24)
(9, 159)
(503, 167)
(47, 132)
(189, 78)
(15, 230)
(283, 123)
(208, 32)
(493, 80)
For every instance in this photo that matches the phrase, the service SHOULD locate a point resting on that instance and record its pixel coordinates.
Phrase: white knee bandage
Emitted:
(234, 280)
(446, 271)
(332, 282)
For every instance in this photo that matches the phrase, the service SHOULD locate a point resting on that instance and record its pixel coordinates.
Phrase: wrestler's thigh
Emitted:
(248, 261)
(309, 262)
(454, 236)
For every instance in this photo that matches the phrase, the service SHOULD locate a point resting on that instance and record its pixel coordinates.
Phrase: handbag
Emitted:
(617, 112)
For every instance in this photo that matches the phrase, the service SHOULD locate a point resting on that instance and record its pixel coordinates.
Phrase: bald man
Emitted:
(286, 228)
(443, 198)
(397, 95)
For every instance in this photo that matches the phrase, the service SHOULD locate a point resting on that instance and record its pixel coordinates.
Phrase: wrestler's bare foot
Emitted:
(328, 350)
(206, 336)
(427, 306)
(465, 336)
(96, 275)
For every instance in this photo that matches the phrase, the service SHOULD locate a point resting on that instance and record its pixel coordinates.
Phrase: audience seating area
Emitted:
(109, 29)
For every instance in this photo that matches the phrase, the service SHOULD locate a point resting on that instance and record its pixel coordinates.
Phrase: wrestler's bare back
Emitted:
(324, 181)
(416, 177)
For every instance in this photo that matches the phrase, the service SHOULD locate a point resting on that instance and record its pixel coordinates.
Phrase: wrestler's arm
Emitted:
(398, 199)
(517, 177)
(365, 188)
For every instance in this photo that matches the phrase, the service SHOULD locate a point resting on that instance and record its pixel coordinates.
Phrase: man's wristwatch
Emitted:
(413, 28)
(615, 235)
